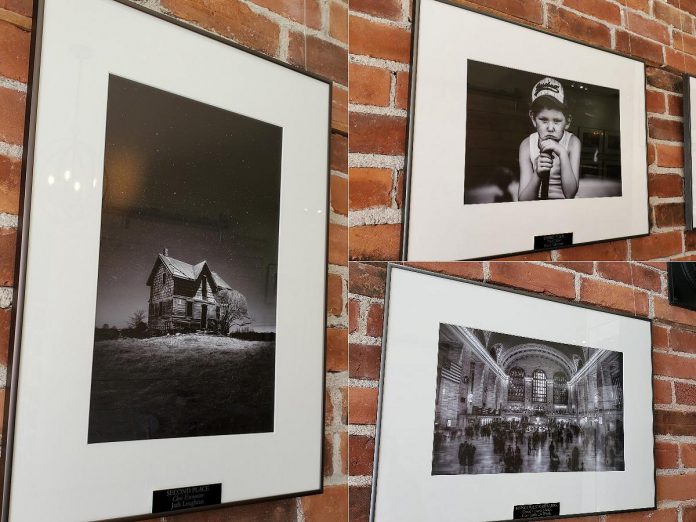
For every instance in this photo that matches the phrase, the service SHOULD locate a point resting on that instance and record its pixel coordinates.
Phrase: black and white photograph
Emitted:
(531, 137)
(184, 341)
(681, 277)
(510, 404)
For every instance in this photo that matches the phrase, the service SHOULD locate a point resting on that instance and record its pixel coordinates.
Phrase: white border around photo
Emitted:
(404, 487)
(438, 225)
(51, 472)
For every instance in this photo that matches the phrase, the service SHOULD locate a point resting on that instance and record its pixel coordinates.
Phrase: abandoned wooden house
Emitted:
(186, 297)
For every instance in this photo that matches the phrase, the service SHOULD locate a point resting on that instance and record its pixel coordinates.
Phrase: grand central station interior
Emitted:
(509, 404)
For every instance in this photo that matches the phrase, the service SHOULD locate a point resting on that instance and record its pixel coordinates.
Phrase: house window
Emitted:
(189, 308)
(516, 385)
(164, 278)
(204, 288)
(217, 313)
(539, 386)
(560, 388)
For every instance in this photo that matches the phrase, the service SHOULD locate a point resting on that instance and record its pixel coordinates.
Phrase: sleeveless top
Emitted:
(555, 188)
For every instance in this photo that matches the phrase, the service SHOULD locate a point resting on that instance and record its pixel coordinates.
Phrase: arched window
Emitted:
(560, 388)
(539, 386)
(516, 385)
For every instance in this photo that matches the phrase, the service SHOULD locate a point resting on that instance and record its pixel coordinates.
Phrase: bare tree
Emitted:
(234, 311)
(137, 319)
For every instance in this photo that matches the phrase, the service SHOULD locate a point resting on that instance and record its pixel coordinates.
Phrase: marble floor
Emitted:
(446, 461)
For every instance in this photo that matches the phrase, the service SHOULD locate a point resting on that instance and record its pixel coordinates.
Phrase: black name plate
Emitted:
(551, 509)
(553, 240)
(186, 498)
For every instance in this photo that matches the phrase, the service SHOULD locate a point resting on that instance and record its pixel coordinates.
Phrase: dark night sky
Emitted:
(201, 181)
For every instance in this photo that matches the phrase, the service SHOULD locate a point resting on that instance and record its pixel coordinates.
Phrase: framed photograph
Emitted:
(511, 153)
(681, 284)
(487, 390)
(689, 148)
(169, 347)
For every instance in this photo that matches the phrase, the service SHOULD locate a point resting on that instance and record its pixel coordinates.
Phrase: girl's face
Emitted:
(549, 123)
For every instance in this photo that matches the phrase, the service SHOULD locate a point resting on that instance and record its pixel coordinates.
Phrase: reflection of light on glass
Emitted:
(51, 180)
(94, 183)
(318, 211)
(67, 175)
(76, 186)
(306, 210)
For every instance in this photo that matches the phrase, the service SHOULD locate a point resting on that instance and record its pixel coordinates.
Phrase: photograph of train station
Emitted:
(511, 404)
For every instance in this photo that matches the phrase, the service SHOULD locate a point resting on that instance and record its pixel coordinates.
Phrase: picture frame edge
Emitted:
(688, 159)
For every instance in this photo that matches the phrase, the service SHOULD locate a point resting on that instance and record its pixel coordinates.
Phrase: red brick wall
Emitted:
(311, 34)
(661, 33)
(634, 287)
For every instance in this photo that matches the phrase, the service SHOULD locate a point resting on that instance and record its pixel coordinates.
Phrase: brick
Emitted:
(685, 5)
(684, 42)
(647, 27)
(362, 406)
(529, 10)
(688, 455)
(531, 256)
(655, 102)
(671, 15)
(10, 178)
(690, 240)
(660, 337)
(668, 130)
(463, 269)
(328, 455)
(607, 251)
(353, 315)
(5, 328)
(665, 80)
(344, 405)
(633, 45)
(656, 245)
(402, 89)
(332, 504)
(14, 52)
(230, 18)
(665, 185)
(338, 21)
(399, 195)
(680, 61)
(361, 455)
(689, 514)
(669, 215)
(368, 279)
(534, 277)
(339, 108)
(319, 56)
(274, 511)
(682, 340)
(338, 244)
(675, 105)
(660, 515)
(670, 156)
(339, 153)
(360, 497)
(369, 38)
(675, 423)
(8, 246)
(667, 312)
(377, 134)
(336, 349)
(364, 361)
(666, 455)
(375, 320)
(339, 195)
(676, 487)
(651, 154)
(563, 21)
(334, 301)
(613, 296)
(369, 85)
(375, 242)
(370, 187)
(13, 105)
(23, 7)
(307, 12)
(662, 392)
(685, 393)
(597, 8)
(670, 365)
(387, 9)
(631, 274)
(343, 436)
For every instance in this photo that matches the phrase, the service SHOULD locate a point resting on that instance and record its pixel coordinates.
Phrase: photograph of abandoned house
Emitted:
(185, 320)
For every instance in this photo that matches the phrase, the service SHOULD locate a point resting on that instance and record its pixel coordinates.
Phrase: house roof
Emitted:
(184, 270)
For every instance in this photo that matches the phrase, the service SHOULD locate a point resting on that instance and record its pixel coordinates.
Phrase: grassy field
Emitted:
(186, 385)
